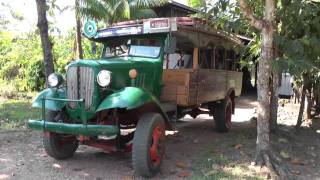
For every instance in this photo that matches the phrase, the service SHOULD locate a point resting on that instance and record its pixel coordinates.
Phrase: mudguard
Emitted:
(130, 98)
(50, 93)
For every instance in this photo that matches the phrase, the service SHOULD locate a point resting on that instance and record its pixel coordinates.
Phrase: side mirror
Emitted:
(170, 45)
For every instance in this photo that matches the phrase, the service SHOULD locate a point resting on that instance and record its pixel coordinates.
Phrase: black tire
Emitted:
(59, 146)
(145, 163)
(222, 115)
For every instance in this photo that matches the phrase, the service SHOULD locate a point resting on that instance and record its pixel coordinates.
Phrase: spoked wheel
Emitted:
(148, 145)
(222, 115)
(59, 146)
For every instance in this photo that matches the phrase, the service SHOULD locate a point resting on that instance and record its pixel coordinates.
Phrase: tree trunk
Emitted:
(264, 155)
(44, 35)
(274, 92)
(306, 91)
(78, 27)
(301, 110)
(309, 100)
(274, 101)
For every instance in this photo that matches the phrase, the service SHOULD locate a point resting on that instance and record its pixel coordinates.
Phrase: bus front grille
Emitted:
(80, 85)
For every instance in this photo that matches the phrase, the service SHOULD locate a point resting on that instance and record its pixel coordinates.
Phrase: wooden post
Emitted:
(224, 59)
(196, 58)
(214, 58)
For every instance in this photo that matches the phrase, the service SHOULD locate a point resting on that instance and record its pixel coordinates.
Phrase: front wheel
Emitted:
(148, 145)
(222, 115)
(58, 146)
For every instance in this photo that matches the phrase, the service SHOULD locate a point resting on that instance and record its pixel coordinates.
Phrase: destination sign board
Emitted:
(120, 31)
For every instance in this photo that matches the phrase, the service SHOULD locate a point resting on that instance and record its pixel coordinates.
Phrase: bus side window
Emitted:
(229, 61)
(178, 60)
(205, 58)
(219, 59)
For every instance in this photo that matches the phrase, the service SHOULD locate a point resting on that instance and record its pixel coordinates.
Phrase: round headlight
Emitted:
(53, 80)
(104, 78)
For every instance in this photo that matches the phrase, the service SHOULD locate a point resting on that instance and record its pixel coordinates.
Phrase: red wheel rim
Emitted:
(228, 115)
(157, 146)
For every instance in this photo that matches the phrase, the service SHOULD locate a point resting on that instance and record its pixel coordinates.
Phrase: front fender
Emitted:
(50, 93)
(129, 98)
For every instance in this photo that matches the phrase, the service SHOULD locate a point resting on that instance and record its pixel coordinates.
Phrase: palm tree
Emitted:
(111, 11)
(78, 30)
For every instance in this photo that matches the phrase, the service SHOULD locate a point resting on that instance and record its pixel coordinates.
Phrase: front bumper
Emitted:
(74, 129)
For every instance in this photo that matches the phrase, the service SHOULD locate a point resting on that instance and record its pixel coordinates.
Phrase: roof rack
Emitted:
(163, 25)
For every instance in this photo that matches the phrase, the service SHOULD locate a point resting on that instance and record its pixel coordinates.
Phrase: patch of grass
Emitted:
(15, 112)
(9, 91)
(217, 166)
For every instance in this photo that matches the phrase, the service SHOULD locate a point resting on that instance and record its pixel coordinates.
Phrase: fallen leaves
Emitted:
(295, 172)
(184, 174)
(282, 140)
(297, 161)
(127, 178)
(238, 146)
(284, 154)
(182, 165)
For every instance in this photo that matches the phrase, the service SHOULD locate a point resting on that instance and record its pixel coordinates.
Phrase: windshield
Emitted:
(132, 47)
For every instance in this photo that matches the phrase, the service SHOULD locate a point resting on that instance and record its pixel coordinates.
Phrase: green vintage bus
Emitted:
(151, 73)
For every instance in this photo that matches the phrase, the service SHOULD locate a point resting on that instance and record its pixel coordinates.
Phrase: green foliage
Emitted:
(197, 4)
(111, 11)
(21, 61)
(297, 36)
(21, 58)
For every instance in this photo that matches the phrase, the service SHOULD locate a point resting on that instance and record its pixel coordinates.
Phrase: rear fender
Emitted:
(131, 98)
(49, 104)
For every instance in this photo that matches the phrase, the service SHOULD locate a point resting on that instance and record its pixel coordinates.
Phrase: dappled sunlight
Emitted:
(171, 133)
(243, 114)
(4, 176)
(3, 160)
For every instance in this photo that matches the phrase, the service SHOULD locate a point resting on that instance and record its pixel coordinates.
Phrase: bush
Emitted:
(21, 58)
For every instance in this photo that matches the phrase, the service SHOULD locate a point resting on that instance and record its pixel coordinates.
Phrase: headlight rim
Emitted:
(55, 75)
(99, 80)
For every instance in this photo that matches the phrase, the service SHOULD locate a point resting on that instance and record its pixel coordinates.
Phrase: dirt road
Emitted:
(23, 157)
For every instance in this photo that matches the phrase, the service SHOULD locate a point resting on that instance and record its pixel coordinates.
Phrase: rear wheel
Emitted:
(148, 145)
(58, 146)
(222, 115)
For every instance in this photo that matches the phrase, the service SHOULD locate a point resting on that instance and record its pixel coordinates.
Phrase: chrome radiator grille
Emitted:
(80, 85)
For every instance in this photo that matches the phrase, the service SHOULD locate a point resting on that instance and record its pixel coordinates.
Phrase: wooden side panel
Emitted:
(235, 81)
(190, 87)
(179, 86)
(213, 84)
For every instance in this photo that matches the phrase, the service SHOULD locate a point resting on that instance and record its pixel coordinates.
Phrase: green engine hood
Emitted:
(149, 76)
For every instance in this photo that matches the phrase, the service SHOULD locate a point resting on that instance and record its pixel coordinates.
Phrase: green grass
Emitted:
(15, 112)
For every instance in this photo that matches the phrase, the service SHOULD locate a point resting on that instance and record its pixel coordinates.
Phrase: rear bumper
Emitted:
(74, 129)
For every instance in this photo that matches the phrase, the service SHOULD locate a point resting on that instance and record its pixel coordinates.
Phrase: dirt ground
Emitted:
(196, 151)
